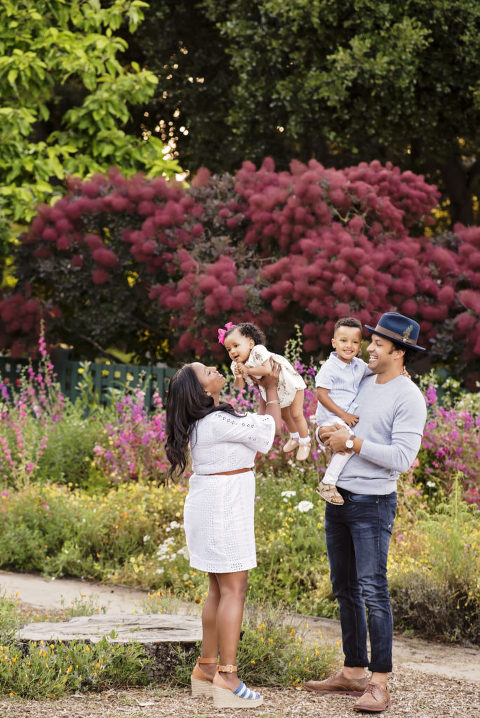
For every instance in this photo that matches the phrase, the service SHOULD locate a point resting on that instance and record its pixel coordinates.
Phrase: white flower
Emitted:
(431, 484)
(146, 538)
(164, 548)
(159, 570)
(288, 493)
(184, 552)
(173, 525)
(304, 506)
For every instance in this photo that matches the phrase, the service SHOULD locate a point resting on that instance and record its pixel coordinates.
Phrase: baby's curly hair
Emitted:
(247, 329)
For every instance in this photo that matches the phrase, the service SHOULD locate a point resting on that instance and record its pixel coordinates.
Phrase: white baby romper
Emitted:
(289, 380)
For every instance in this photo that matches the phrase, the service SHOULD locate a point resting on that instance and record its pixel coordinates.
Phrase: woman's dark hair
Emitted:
(187, 402)
(247, 329)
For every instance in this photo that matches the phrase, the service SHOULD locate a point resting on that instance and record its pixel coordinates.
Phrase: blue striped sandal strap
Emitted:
(243, 692)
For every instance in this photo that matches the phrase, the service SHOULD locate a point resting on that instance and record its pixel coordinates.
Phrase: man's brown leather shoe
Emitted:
(339, 685)
(375, 699)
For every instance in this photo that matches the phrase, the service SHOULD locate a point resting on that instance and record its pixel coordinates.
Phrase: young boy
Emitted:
(337, 385)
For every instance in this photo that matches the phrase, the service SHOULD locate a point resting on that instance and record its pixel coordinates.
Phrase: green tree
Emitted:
(66, 99)
(186, 52)
(342, 81)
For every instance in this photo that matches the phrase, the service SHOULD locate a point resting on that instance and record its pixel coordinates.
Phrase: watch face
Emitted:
(349, 443)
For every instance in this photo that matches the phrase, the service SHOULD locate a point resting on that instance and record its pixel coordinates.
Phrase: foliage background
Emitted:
(66, 95)
(341, 82)
(109, 515)
(153, 268)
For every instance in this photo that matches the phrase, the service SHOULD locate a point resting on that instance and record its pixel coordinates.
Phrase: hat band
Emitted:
(394, 335)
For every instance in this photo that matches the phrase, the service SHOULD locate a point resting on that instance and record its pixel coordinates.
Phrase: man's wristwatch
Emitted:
(349, 443)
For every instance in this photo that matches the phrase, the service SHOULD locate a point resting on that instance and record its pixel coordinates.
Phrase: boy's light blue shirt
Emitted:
(342, 381)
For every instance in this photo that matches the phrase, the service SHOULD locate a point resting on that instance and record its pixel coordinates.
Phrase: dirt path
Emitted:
(49, 593)
(430, 681)
(413, 696)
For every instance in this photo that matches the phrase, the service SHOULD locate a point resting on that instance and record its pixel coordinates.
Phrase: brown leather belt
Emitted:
(230, 473)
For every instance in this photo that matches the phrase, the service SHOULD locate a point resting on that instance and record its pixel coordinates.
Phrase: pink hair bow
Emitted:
(222, 332)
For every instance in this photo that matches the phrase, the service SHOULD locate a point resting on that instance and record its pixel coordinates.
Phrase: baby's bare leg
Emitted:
(296, 412)
(288, 419)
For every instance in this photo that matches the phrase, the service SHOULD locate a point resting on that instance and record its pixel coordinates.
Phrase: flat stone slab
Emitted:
(136, 628)
(160, 635)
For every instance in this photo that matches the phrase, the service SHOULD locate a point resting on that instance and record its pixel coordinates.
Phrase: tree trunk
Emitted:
(457, 183)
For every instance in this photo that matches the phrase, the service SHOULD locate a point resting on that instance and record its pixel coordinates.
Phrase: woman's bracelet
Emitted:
(273, 401)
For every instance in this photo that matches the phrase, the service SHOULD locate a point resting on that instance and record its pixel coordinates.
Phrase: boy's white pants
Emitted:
(338, 461)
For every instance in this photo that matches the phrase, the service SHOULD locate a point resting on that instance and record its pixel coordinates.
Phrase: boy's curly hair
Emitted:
(348, 322)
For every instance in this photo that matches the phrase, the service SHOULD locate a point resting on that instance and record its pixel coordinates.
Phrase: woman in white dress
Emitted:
(219, 512)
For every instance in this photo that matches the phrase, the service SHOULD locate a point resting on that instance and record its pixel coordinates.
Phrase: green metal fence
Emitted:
(103, 376)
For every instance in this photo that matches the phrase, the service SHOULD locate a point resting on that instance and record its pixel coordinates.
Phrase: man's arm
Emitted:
(397, 456)
(400, 453)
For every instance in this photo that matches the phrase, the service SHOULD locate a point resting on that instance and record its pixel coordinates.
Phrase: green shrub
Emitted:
(61, 532)
(134, 535)
(9, 617)
(291, 550)
(434, 567)
(52, 670)
(68, 456)
(445, 611)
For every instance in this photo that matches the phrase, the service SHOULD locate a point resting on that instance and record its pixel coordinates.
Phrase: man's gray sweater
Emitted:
(392, 418)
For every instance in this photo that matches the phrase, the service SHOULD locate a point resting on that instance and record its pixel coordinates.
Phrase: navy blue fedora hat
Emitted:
(398, 329)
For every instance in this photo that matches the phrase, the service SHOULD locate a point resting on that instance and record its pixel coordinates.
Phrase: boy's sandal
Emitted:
(200, 683)
(330, 494)
(224, 697)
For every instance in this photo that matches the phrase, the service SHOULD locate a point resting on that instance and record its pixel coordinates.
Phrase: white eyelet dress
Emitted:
(219, 509)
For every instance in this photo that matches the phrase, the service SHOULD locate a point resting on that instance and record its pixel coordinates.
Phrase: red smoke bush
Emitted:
(132, 262)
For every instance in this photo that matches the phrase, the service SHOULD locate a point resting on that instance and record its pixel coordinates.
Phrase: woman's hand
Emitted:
(272, 403)
(236, 370)
(270, 380)
(241, 369)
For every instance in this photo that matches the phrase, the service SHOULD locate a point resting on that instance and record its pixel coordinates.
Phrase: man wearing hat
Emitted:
(387, 438)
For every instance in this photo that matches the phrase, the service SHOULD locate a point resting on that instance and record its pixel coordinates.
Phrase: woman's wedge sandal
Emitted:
(224, 697)
(201, 684)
